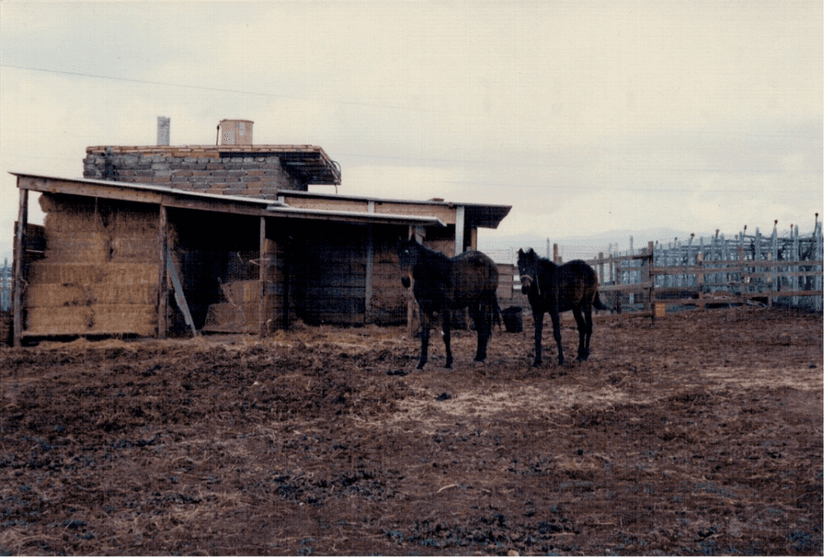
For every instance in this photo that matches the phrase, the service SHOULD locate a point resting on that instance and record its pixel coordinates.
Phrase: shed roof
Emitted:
(476, 214)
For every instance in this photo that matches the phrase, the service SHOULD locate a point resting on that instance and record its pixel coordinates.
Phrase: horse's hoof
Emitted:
(537, 364)
(420, 366)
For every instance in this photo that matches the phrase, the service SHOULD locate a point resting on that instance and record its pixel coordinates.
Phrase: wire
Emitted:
(218, 89)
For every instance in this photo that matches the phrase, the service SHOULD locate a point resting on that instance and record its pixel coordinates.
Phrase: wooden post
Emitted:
(19, 255)
(369, 272)
(459, 230)
(795, 279)
(555, 255)
(774, 256)
(601, 268)
(163, 292)
(818, 255)
(648, 280)
(263, 263)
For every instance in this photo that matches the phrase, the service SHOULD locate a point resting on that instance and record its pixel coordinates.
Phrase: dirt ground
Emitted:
(699, 434)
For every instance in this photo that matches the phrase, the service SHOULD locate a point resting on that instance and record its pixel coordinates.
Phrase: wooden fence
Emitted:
(776, 270)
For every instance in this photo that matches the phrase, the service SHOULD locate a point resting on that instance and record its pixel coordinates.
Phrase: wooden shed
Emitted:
(147, 260)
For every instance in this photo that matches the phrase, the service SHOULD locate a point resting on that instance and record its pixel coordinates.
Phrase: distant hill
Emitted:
(503, 247)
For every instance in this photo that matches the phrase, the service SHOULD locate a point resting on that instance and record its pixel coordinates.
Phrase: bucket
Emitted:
(513, 319)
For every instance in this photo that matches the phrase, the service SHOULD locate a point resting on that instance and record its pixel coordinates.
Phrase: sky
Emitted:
(586, 117)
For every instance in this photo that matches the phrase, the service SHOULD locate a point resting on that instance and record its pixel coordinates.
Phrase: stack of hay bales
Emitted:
(240, 314)
(100, 271)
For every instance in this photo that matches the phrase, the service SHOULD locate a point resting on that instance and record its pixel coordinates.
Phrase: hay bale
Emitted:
(67, 320)
(241, 292)
(133, 221)
(109, 293)
(139, 319)
(76, 273)
(228, 317)
(120, 319)
(129, 274)
(59, 294)
(79, 246)
(71, 220)
(134, 248)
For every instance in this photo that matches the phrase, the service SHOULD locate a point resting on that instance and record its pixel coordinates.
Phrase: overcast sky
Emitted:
(586, 117)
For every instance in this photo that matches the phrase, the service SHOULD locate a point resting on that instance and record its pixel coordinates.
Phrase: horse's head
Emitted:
(409, 254)
(527, 268)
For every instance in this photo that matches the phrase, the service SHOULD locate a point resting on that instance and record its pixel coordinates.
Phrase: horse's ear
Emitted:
(520, 252)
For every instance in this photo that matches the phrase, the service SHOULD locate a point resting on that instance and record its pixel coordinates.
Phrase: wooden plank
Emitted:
(180, 300)
(76, 188)
(263, 263)
(19, 248)
(444, 213)
(369, 267)
(634, 287)
(163, 292)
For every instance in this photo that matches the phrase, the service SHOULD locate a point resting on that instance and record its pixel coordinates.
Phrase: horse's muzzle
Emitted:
(406, 282)
(525, 284)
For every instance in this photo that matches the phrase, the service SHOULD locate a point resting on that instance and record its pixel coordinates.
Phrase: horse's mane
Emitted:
(434, 260)
(544, 263)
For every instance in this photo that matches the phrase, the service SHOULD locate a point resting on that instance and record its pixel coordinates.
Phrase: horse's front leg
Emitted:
(538, 317)
(556, 329)
(425, 328)
(445, 318)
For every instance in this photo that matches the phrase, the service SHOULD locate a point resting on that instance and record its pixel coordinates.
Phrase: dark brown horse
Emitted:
(557, 288)
(442, 284)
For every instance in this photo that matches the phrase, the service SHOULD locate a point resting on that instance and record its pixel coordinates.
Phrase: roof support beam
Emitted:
(459, 230)
(19, 255)
(163, 292)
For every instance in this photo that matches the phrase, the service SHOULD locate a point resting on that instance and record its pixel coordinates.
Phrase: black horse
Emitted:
(557, 288)
(443, 284)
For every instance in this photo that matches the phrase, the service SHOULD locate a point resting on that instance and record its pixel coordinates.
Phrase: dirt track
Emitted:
(701, 434)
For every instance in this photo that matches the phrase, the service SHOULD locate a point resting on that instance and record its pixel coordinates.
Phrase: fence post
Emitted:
(700, 276)
(647, 269)
(796, 280)
(818, 248)
(774, 256)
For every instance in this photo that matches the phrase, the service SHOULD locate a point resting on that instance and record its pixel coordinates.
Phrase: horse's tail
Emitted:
(596, 302)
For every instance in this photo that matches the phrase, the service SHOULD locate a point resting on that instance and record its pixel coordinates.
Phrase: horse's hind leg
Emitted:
(584, 331)
(588, 330)
(481, 313)
(579, 319)
(446, 319)
(556, 330)
(425, 327)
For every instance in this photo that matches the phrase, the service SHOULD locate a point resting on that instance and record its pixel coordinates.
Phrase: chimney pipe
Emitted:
(163, 130)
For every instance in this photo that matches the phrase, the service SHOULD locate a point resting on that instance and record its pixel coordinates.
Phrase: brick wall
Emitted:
(234, 172)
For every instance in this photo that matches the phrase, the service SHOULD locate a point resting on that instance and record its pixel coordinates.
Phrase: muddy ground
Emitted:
(699, 434)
